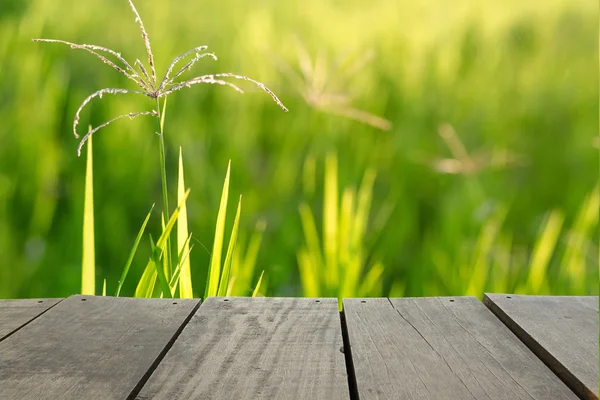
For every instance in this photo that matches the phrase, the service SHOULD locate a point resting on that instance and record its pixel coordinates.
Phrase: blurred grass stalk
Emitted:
(556, 264)
(537, 281)
(579, 242)
(336, 265)
(243, 265)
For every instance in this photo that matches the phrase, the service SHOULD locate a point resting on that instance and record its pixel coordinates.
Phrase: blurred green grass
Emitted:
(516, 78)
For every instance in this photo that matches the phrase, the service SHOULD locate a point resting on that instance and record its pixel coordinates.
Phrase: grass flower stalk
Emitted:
(161, 263)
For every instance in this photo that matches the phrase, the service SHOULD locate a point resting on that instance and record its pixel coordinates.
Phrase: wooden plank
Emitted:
(561, 330)
(442, 348)
(255, 348)
(90, 347)
(16, 313)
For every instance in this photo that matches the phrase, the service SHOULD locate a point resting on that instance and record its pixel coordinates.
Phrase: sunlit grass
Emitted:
(243, 264)
(558, 262)
(132, 253)
(336, 264)
(513, 80)
(161, 265)
(88, 267)
(183, 238)
(214, 272)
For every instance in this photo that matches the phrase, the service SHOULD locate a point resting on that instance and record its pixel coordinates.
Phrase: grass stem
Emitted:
(163, 171)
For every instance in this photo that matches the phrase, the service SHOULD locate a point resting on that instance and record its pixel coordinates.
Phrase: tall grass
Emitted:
(171, 273)
(336, 263)
(513, 79)
(557, 263)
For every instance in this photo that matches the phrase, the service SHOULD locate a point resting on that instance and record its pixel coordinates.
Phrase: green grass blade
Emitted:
(351, 254)
(214, 270)
(88, 266)
(248, 264)
(145, 286)
(104, 288)
(132, 252)
(542, 252)
(310, 232)
(308, 274)
(481, 264)
(330, 221)
(185, 279)
(573, 265)
(162, 278)
(169, 226)
(165, 247)
(155, 263)
(371, 281)
(161, 248)
(230, 249)
(257, 288)
(365, 195)
(502, 264)
(310, 260)
(345, 232)
(398, 289)
(253, 248)
(183, 254)
(351, 279)
(243, 262)
(175, 278)
(236, 268)
(230, 286)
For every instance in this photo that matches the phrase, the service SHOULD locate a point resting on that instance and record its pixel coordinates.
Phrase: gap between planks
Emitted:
(349, 361)
(12, 332)
(352, 385)
(163, 353)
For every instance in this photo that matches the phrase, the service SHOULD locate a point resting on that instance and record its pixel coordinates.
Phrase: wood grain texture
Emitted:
(255, 348)
(442, 348)
(561, 330)
(16, 313)
(89, 347)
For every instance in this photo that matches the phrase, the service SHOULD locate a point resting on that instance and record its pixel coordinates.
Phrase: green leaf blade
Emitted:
(215, 262)
(88, 265)
(230, 250)
(185, 277)
(133, 252)
(257, 288)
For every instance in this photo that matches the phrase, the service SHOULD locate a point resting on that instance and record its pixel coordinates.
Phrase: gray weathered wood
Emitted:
(442, 348)
(16, 313)
(89, 347)
(255, 348)
(561, 330)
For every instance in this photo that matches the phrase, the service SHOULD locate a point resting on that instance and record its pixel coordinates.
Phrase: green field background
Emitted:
(516, 81)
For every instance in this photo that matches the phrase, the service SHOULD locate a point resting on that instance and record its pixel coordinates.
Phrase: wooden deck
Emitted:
(508, 347)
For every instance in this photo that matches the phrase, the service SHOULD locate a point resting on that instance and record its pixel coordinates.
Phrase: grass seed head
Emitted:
(148, 82)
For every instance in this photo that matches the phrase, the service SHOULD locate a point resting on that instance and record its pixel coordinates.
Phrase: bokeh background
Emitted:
(487, 175)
